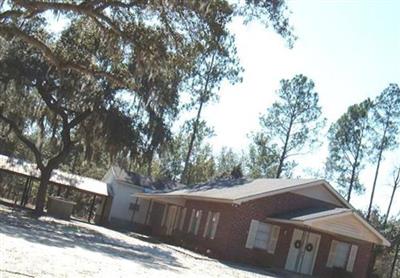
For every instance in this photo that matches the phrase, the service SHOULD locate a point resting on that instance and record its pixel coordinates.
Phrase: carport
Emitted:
(60, 179)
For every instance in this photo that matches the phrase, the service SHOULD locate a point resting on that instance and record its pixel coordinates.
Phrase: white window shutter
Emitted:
(352, 258)
(215, 225)
(182, 219)
(332, 254)
(164, 215)
(273, 240)
(191, 220)
(173, 217)
(198, 220)
(251, 236)
(177, 217)
(148, 215)
(207, 223)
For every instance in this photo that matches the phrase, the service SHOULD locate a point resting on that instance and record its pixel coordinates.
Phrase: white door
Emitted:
(303, 252)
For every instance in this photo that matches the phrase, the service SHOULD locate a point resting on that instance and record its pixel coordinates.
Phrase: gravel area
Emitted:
(47, 247)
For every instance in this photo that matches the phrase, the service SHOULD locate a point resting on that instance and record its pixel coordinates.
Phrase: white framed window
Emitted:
(194, 222)
(262, 236)
(342, 255)
(210, 228)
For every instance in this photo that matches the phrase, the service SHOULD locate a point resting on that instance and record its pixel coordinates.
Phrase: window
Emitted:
(211, 225)
(262, 236)
(194, 223)
(342, 255)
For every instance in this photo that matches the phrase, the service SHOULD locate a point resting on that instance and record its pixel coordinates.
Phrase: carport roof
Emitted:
(23, 168)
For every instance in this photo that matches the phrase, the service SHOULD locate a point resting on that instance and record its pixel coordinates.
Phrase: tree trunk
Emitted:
(395, 187)
(353, 173)
(150, 164)
(41, 194)
(185, 178)
(394, 261)
(283, 155)
(390, 205)
(377, 172)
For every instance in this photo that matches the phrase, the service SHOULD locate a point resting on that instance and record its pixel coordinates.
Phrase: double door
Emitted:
(302, 252)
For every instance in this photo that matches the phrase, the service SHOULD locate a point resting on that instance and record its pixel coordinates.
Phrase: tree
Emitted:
(67, 99)
(395, 185)
(237, 172)
(36, 84)
(117, 47)
(202, 167)
(294, 121)
(226, 161)
(385, 260)
(171, 158)
(262, 157)
(217, 63)
(386, 121)
(348, 138)
(212, 67)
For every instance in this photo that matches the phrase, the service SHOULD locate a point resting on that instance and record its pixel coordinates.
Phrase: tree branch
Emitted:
(25, 140)
(79, 118)
(86, 8)
(62, 65)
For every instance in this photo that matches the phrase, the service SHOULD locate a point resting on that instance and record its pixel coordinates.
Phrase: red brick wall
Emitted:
(362, 260)
(230, 239)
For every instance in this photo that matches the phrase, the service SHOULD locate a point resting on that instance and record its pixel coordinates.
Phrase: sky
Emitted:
(350, 49)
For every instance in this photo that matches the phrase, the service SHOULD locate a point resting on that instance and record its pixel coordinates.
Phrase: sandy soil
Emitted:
(47, 247)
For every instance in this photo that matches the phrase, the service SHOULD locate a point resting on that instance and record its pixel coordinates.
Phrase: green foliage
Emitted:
(227, 161)
(386, 119)
(348, 147)
(262, 157)
(237, 172)
(293, 122)
(384, 262)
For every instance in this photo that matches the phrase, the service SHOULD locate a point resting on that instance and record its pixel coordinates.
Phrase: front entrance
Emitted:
(303, 252)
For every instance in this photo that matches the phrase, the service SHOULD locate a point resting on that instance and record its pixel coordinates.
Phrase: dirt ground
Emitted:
(47, 247)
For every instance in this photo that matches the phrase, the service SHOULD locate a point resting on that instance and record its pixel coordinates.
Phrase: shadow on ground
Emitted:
(51, 233)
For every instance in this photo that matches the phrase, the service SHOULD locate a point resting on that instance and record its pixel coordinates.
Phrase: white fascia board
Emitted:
(183, 196)
(324, 217)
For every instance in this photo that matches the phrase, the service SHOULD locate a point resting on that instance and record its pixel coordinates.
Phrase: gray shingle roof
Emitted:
(234, 189)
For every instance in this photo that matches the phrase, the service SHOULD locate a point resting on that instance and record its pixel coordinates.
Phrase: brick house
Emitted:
(298, 225)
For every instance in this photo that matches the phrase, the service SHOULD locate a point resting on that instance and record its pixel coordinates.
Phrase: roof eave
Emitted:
(187, 197)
